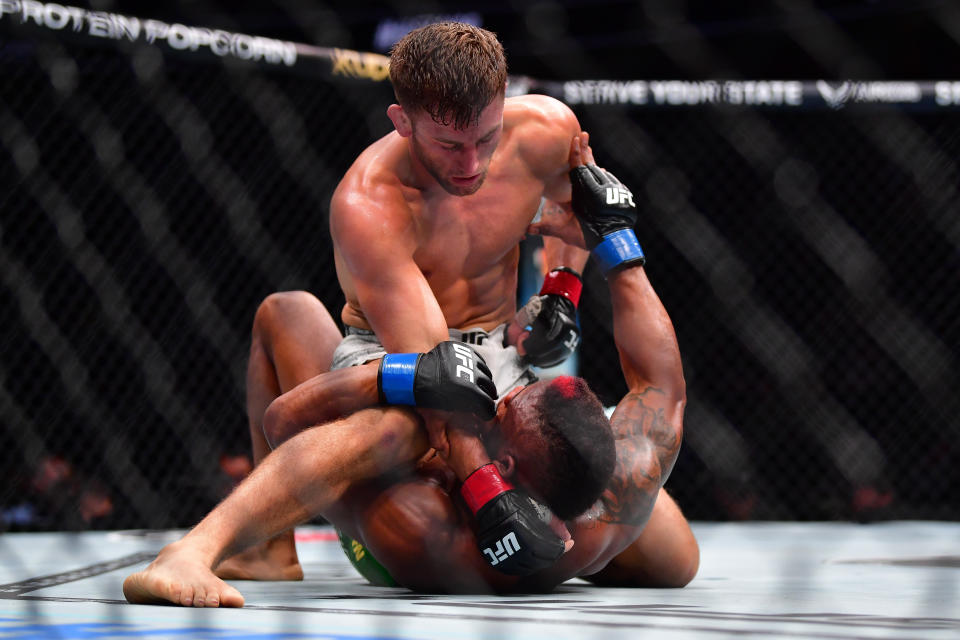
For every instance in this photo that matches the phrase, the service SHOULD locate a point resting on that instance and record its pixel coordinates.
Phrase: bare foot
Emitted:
(179, 576)
(275, 559)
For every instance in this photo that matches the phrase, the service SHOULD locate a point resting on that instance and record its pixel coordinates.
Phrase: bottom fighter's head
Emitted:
(553, 438)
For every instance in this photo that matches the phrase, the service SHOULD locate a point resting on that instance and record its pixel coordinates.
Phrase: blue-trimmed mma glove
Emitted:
(607, 213)
(513, 531)
(451, 377)
(551, 318)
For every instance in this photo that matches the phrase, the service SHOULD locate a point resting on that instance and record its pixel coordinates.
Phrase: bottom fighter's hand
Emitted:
(550, 319)
(605, 209)
(451, 376)
(513, 531)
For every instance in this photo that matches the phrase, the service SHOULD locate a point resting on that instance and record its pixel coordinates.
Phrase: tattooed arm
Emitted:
(647, 426)
(648, 422)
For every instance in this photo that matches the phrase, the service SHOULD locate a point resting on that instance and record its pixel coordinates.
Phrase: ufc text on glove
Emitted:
(513, 533)
(606, 212)
(451, 377)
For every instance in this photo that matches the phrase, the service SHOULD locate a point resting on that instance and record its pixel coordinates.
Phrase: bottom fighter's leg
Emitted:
(293, 340)
(665, 555)
(307, 475)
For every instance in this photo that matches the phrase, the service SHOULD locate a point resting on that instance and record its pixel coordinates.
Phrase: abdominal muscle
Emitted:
(482, 301)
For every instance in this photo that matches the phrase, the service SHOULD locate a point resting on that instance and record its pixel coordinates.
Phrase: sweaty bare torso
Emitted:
(466, 246)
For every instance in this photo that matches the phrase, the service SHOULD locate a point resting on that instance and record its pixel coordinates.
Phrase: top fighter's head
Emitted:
(553, 439)
(449, 79)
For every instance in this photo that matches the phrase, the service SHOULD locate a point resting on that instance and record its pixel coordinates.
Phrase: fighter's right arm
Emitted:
(648, 422)
(449, 377)
(374, 236)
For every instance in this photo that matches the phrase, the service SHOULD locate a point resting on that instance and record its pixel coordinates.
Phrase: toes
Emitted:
(185, 595)
(130, 589)
(140, 588)
(230, 597)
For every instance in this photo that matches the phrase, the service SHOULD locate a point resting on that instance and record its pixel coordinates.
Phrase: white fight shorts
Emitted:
(509, 371)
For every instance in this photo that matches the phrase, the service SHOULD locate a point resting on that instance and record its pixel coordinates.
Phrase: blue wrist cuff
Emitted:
(618, 247)
(396, 377)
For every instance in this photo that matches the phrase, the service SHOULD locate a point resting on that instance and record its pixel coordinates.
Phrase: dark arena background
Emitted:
(797, 165)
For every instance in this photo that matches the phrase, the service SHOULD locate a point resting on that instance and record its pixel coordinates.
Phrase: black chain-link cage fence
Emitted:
(809, 261)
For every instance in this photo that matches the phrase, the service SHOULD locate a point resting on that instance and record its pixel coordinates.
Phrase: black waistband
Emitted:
(356, 331)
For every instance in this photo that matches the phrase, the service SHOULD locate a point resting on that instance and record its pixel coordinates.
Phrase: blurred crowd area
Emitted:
(808, 259)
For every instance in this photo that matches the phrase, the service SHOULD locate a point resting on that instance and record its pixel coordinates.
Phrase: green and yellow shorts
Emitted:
(364, 562)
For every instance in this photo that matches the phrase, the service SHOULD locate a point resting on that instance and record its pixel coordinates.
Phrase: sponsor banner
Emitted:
(790, 94)
(839, 94)
(684, 92)
(99, 27)
(106, 26)
(363, 66)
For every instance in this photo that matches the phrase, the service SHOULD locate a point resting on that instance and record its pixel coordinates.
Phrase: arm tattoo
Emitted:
(647, 445)
(629, 497)
(641, 414)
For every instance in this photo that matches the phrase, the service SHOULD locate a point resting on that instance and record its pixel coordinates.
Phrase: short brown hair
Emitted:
(451, 70)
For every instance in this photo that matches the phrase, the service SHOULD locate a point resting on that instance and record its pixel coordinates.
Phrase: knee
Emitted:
(679, 561)
(669, 568)
(278, 307)
(277, 428)
(686, 563)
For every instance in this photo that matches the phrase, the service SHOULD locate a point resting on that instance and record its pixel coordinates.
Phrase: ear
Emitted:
(400, 119)
(506, 465)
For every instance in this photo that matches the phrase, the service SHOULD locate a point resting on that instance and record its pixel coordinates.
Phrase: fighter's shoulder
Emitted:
(538, 115)
(542, 128)
(371, 189)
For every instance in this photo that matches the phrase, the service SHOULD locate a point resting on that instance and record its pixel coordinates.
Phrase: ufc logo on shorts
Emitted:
(506, 547)
(619, 195)
(572, 342)
(465, 356)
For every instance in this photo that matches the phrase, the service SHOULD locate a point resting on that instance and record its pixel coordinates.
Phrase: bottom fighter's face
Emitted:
(515, 418)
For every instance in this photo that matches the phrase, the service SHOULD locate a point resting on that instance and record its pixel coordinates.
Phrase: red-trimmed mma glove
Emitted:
(551, 318)
(451, 377)
(607, 214)
(513, 531)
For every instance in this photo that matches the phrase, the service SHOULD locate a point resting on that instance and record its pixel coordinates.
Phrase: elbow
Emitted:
(688, 571)
(684, 556)
(277, 427)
